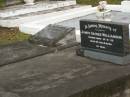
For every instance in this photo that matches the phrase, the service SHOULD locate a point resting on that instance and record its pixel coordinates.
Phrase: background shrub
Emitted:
(88, 2)
(95, 2)
(2, 3)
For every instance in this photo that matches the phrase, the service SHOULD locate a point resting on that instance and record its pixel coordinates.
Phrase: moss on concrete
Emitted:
(11, 35)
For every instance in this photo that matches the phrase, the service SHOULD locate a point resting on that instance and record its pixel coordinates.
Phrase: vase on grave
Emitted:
(29, 2)
(103, 13)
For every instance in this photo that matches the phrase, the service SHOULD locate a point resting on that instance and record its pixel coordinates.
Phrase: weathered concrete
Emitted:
(53, 35)
(60, 74)
(39, 6)
(20, 51)
(54, 17)
(24, 50)
(125, 6)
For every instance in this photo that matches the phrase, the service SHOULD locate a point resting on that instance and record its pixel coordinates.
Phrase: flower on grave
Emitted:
(102, 6)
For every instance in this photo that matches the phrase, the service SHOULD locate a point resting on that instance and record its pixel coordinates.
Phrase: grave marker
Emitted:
(104, 40)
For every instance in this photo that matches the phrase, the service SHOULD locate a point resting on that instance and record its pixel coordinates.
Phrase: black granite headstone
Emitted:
(105, 40)
(104, 37)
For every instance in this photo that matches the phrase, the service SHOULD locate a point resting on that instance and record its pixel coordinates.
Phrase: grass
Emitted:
(95, 2)
(2, 3)
(88, 2)
(11, 35)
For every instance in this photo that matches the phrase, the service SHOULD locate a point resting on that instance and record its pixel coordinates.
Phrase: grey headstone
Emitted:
(53, 35)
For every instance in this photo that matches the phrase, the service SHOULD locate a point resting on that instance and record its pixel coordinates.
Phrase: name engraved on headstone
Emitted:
(103, 37)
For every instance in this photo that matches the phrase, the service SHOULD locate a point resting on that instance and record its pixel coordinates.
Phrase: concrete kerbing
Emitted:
(39, 6)
(34, 27)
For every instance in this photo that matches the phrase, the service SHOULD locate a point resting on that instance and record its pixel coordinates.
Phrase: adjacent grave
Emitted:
(105, 40)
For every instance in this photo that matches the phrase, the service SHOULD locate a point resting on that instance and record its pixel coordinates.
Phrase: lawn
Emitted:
(91, 2)
(2, 3)
(11, 35)
(95, 2)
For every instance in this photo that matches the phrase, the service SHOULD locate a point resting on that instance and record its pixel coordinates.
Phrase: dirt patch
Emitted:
(11, 35)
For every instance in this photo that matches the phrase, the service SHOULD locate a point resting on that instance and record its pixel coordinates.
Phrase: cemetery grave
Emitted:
(64, 74)
(45, 63)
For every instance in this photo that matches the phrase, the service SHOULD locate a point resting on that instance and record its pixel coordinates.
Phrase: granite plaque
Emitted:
(106, 37)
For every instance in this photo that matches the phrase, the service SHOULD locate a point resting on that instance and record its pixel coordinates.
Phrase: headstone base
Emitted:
(121, 60)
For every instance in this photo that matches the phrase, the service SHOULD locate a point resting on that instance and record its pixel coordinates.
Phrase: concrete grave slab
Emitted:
(25, 50)
(61, 74)
(114, 7)
(55, 17)
(39, 6)
(125, 6)
(16, 21)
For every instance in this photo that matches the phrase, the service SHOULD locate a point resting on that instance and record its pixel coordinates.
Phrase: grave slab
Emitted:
(39, 6)
(16, 21)
(34, 27)
(114, 7)
(61, 74)
(125, 6)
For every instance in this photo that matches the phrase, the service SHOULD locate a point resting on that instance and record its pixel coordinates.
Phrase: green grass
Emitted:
(90, 2)
(17, 37)
(95, 2)
(2, 3)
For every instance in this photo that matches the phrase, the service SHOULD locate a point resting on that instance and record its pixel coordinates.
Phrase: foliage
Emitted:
(95, 2)
(2, 3)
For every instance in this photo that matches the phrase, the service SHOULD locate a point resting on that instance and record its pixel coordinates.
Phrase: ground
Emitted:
(11, 35)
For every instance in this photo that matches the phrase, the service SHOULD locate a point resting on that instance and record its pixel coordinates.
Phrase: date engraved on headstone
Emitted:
(103, 37)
